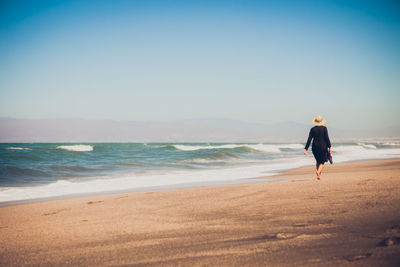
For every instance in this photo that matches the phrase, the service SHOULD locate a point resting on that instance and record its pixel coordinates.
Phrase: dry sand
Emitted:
(349, 218)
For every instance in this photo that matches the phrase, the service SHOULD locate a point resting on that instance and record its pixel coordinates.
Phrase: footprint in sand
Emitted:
(53, 212)
(393, 239)
(285, 235)
(278, 236)
(395, 229)
(357, 257)
(50, 213)
(390, 241)
(365, 182)
(318, 222)
(301, 225)
(94, 202)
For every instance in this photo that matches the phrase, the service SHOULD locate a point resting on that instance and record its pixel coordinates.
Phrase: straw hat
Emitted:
(318, 121)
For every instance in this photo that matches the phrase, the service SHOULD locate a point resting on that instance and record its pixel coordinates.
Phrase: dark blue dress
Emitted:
(320, 143)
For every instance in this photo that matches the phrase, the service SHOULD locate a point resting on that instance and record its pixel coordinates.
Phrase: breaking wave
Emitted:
(36, 170)
(79, 148)
(18, 148)
(271, 148)
(367, 145)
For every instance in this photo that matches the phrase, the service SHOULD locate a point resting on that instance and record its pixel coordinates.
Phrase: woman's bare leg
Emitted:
(319, 171)
(317, 167)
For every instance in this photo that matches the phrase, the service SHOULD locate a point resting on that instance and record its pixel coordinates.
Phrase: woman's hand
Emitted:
(305, 152)
(330, 150)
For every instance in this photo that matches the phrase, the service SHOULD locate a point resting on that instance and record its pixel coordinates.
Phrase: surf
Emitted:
(77, 148)
(35, 170)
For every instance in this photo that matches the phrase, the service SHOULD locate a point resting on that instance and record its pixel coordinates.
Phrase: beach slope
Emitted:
(349, 218)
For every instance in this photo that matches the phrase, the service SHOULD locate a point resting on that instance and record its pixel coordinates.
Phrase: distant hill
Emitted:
(201, 130)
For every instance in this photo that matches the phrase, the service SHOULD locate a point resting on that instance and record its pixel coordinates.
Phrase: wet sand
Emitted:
(349, 218)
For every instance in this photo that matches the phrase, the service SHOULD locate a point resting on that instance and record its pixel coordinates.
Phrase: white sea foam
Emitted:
(18, 148)
(292, 146)
(137, 181)
(274, 148)
(193, 148)
(271, 148)
(200, 160)
(367, 145)
(229, 160)
(76, 147)
(389, 143)
(265, 148)
(347, 148)
(133, 181)
(354, 152)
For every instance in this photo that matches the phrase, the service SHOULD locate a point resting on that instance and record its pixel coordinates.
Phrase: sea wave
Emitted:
(193, 147)
(79, 148)
(18, 148)
(389, 143)
(73, 168)
(221, 155)
(349, 148)
(215, 157)
(144, 180)
(343, 153)
(46, 171)
(367, 145)
(20, 171)
(270, 148)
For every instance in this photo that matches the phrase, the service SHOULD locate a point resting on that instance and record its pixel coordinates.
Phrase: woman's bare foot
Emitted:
(318, 175)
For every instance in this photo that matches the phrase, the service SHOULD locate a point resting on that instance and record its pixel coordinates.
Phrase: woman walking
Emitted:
(320, 144)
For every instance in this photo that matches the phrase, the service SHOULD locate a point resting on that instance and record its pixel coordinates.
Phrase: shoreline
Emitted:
(272, 178)
(143, 190)
(251, 180)
(349, 218)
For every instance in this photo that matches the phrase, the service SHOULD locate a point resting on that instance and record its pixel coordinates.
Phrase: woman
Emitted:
(320, 144)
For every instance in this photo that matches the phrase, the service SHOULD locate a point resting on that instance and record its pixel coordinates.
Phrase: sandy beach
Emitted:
(349, 218)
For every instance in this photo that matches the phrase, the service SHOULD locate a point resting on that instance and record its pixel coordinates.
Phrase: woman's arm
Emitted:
(308, 141)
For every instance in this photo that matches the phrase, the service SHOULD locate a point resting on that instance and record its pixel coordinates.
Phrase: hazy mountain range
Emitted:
(200, 130)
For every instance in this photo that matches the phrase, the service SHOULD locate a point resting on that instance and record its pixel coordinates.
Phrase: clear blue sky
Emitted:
(255, 61)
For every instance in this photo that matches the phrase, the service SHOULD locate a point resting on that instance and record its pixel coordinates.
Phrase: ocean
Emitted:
(30, 171)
